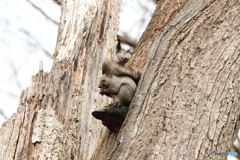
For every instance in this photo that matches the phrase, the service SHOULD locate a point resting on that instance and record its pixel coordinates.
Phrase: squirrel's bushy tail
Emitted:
(111, 68)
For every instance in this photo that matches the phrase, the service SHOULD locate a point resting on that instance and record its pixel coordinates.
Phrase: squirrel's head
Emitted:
(104, 84)
(123, 57)
(104, 81)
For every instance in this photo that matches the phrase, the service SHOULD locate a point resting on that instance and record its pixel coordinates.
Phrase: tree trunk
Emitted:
(186, 104)
(54, 118)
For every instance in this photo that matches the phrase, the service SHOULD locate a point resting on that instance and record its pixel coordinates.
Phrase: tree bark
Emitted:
(54, 119)
(186, 104)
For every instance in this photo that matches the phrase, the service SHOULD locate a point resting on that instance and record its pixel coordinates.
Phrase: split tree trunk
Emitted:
(54, 118)
(186, 105)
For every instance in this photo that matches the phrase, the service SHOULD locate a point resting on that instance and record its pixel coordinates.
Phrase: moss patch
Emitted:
(135, 54)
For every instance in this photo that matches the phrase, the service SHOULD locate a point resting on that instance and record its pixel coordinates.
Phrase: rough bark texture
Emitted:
(165, 10)
(186, 105)
(187, 102)
(54, 118)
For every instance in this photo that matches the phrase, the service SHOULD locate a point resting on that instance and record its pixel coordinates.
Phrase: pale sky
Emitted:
(25, 34)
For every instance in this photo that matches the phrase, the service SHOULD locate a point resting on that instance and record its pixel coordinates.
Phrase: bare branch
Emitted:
(156, 1)
(39, 9)
(236, 149)
(34, 44)
(47, 53)
(15, 74)
(4, 116)
(58, 2)
(127, 40)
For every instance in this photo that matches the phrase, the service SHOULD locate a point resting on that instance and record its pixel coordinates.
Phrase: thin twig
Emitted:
(4, 116)
(39, 9)
(127, 40)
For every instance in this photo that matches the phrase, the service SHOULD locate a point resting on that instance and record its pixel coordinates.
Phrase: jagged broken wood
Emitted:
(112, 116)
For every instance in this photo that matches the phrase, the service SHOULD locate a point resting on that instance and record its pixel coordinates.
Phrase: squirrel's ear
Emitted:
(119, 48)
(105, 68)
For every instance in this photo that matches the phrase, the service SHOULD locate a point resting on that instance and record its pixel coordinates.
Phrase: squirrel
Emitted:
(115, 69)
(121, 89)
(120, 57)
(118, 82)
(116, 65)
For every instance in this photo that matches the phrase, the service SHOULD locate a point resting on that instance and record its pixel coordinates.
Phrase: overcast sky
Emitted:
(28, 36)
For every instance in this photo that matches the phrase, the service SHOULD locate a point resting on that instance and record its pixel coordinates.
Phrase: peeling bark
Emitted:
(54, 116)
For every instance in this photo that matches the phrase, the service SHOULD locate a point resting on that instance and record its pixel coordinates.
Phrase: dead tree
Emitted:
(54, 119)
(187, 101)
